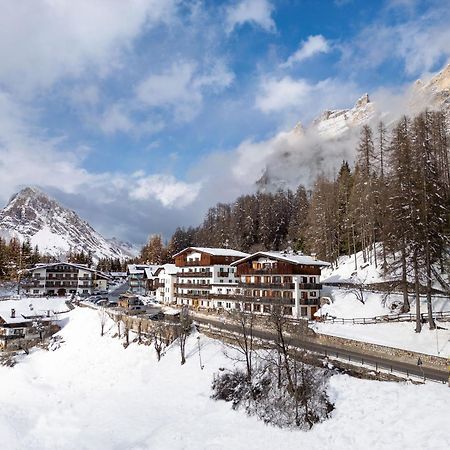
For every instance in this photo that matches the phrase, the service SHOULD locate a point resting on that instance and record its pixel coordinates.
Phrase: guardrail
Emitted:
(406, 317)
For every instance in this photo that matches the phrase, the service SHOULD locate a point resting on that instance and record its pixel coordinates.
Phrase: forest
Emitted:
(393, 205)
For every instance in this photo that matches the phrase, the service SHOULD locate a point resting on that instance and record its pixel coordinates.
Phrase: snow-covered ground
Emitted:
(366, 272)
(93, 394)
(400, 335)
(29, 306)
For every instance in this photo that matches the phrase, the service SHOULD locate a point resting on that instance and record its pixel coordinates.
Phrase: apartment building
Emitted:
(288, 281)
(62, 278)
(205, 276)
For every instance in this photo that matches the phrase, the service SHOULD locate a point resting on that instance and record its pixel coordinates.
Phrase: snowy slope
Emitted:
(92, 393)
(31, 214)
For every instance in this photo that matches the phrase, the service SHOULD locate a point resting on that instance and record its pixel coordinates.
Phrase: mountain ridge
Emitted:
(33, 215)
(302, 152)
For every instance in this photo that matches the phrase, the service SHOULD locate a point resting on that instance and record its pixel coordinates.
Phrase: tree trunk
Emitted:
(417, 292)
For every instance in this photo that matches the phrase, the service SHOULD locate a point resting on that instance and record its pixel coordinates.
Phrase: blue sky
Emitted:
(135, 112)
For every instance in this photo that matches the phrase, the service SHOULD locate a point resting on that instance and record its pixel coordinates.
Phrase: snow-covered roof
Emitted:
(20, 318)
(76, 265)
(287, 257)
(169, 269)
(134, 269)
(150, 271)
(215, 251)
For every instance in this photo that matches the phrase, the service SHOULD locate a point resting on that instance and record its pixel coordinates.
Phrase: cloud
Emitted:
(165, 188)
(180, 88)
(419, 43)
(312, 46)
(279, 94)
(256, 12)
(302, 98)
(43, 41)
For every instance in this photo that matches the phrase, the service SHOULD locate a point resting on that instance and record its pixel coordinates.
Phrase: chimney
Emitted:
(314, 256)
(13, 313)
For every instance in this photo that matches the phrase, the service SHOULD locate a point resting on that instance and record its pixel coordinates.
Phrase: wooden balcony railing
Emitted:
(193, 285)
(304, 286)
(195, 274)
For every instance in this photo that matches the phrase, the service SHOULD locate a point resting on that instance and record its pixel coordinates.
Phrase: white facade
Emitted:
(167, 277)
(63, 279)
(205, 286)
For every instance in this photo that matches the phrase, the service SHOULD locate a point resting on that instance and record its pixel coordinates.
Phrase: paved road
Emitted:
(118, 291)
(349, 355)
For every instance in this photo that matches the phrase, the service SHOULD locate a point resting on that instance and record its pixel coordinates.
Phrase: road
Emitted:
(118, 291)
(339, 352)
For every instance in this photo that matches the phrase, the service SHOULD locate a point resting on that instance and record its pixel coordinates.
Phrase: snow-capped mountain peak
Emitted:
(32, 214)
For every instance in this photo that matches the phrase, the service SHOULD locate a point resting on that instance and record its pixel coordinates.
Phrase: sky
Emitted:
(141, 114)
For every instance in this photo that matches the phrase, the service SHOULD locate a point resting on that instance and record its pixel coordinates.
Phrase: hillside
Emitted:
(93, 393)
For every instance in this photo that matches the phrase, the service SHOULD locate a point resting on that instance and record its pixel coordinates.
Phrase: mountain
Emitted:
(32, 214)
(297, 156)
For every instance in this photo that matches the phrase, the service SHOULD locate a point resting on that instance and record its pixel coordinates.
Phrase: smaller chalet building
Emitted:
(63, 278)
(269, 280)
(18, 330)
(205, 276)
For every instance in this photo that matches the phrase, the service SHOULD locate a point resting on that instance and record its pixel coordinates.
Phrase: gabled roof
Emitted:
(292, 258)
(60, 263)
(214, 251)
(169, 269)
(137, 268)
(150, 272)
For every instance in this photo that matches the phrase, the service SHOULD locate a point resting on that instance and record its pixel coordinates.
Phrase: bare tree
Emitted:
(159, 340)
(118, 319)
(127, 324)
(184, 330)
(244, 340)
(279, 323)
(103, 315)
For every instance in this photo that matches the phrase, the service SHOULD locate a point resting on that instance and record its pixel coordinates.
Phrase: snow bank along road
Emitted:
(351, 355)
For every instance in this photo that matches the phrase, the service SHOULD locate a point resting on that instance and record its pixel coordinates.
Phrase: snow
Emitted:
(216, 251)
(93, 393)
(33, 305)
(345, 304)
(345, 272)
(396, 334)
(291, 258)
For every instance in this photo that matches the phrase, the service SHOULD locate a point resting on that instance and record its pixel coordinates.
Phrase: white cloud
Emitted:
(181, 87)
(312, 46)
(167, 189)
(420, 43)
(301, 98)
(279, 94)
(256, 12)
(42, 41)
